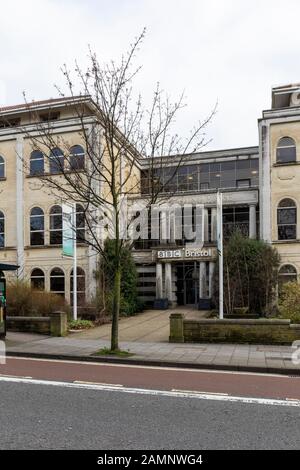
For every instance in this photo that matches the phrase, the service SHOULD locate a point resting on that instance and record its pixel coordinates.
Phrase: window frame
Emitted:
(281, 225)
(279, 147)
(41, 231)
(2, 165)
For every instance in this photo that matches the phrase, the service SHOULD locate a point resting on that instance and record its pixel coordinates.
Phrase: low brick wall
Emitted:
(54, 325)
(262, 331)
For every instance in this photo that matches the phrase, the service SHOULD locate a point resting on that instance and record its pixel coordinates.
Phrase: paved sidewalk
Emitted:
(219, 356)
(150, 326)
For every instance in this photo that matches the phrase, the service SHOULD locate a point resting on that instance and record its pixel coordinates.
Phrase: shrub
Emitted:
(24, 301)
(289, 302)
(250, 275)
(80, 325)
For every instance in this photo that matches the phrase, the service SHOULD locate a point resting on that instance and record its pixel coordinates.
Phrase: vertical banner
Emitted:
(69, 247)
(68, 235)
(220, 249)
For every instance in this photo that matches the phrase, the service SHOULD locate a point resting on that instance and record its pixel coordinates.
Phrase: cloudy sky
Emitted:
(229, 51)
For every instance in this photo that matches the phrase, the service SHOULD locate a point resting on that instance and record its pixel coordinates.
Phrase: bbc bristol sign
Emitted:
(184, 253)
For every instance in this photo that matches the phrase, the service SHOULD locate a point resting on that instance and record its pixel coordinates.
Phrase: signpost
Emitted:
(69, 246)
(220, 250)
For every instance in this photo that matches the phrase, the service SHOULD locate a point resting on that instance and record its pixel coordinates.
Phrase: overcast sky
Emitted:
(229, 51)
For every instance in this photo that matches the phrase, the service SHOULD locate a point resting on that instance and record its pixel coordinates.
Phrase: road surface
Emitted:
(71, 405)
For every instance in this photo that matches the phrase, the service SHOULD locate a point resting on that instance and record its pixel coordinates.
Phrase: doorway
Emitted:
(187, 283)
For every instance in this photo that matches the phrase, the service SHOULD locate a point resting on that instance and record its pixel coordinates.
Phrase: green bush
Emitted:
(289, 302)
(80, 324)
(24, 301)
(250, 275)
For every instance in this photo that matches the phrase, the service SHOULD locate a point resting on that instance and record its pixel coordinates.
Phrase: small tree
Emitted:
(129, 303)
(250, 275)
(117, 135)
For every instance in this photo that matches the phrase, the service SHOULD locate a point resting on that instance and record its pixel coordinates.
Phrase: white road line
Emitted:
(135, 366)
(163, 393)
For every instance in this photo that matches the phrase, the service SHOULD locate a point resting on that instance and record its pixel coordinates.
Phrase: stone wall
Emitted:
(54, 325)
(262, 331)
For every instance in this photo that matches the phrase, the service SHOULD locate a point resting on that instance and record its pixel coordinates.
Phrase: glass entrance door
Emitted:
(187, 284)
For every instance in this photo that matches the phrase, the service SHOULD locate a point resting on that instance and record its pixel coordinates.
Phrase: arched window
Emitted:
(2, 230)
(36, 163)
(76, 157)
(57, 281)
(80, 286)
(57, 161)
(287, 220)
(286, 150)
(2, 167)
(80, 224)
(56, 225)
(37, 226)
(287, 273)
(37, 279)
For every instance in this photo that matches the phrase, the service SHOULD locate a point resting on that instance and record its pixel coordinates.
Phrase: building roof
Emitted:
(52, 102)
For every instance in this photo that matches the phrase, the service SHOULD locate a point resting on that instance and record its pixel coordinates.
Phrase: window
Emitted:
(286, 150)
(243, 183)
(37, 226)
(46, 117)
(56, 225)
(2, 167)
(287, 220)
(287, 273)
(80, 286)
(76, 158)
(57, 161)
(80, 224)
(57, 281)
(37, 279)
(2, 230)
(36, 163)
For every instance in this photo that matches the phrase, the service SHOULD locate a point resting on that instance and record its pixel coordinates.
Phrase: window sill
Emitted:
(286, 164)
(30, 247)
(280, 242)
(3, 178)
(46, 175)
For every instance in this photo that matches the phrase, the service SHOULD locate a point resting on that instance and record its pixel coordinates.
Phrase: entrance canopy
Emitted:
(8, 267)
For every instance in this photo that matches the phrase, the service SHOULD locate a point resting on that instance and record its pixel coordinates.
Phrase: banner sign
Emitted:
(68, 230)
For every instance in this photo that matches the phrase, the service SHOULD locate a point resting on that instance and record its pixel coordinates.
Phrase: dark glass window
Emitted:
(2, 230)
(36, 163)
(287, 273)
(202, 176)
(56, 225)
(80, 224)
(80, 286)
(235, 219)
(76, 158)
(57, 281)
(2, 167)
(243, 183)
(37, 279)
(287, 220)
(37, 227)
(286, 150)
(57, 161)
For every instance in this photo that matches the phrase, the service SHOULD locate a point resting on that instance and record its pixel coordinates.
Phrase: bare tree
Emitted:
(118, 134)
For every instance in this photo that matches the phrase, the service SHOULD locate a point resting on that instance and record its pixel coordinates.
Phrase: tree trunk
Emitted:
(116, 310)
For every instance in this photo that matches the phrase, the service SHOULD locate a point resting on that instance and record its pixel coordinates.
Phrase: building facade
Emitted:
(260, 199)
